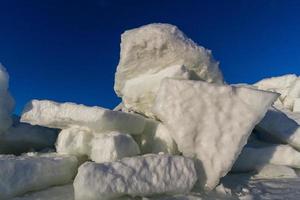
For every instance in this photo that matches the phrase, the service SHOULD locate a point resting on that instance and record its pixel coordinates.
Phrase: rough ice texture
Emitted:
(270, 171)
(104, 147)
(6, 101)
(147, 52)
(279, 126)
(65, 192)
(210, 122)
(288, 86)
(113, 146)
(297, 105)
(19, 175)
(156, 138)
(137, 176)
(63, 115)
(251, 158)
(74, 141)
(21, 137)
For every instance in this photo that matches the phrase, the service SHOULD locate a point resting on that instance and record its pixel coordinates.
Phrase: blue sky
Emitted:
(68, 50)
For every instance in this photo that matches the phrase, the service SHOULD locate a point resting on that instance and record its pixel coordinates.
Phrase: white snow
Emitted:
(22, 174)
(64, 115)
(113, 146)
(6, 101)
(287, 85)
(297, 105)
(270, 171)
(279, 126)
(152, 52)
(74, 141)
(157, 138)
(252, 158)
(137, 176)
(21, 137)
(210, 122)
(65, 192)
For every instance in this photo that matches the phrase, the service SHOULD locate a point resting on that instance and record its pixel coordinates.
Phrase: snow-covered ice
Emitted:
(22, 174)
(287, 85)
(6, 101)
(65, 192)
(152, 52)
(297, 105)
(210, 122)
(74, 141)
(21, 137)
(137, 176)
(113, 146)
(252, 158)
(270, 171)
(156, 138)
(64, 115)
(279, 126)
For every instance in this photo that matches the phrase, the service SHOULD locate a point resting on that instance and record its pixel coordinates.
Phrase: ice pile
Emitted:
(178, 132)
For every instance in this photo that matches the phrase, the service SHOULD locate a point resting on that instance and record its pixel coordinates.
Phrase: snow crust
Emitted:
(287, 85)
(156, 138)
(22, 174)
(6, 101)
(153, 52)
(137, 176)
(252, 158)
(279, 126)
(64, 115)
(297, 105)
(270, 171)
(210, 122)
(104, 147)
(113, 146)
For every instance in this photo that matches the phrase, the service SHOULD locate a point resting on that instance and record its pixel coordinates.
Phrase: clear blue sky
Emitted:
(67, 50)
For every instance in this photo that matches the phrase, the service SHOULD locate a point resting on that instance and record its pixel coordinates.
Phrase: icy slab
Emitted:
(137, 176)
(252, 158)
(6, 101)
(113, 146)
(63, 115)
(270, 171)
(139, 93)
(75, 141)
(297, 105)
(22, 137)
(99, 147)
(153, 52)
(156, 138)
(277, 125)
(65, 192)
(210, 122)
(288, 86)
(19, 175)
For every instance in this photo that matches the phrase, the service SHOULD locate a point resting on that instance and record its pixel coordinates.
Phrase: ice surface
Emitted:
(75, 141)
(210, 122)
(287, 85)
(147, 51)
(139, 93)
(270, 171)
(63, 115)
(156, 138)
(137, 176)
(277, 125)
(22, 137)
(65, 192)
(297, 105)
(6, 101)
(22, 174)
(113, 146)
(252, 158)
